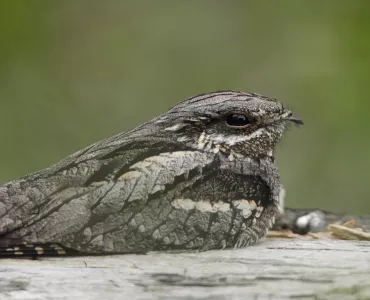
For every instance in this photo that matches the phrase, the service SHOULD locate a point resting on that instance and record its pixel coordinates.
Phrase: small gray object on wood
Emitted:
(302, 221)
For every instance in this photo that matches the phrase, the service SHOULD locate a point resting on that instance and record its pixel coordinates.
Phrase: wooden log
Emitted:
(274, 269)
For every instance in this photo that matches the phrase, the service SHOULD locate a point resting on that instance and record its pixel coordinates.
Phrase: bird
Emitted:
(201, 176)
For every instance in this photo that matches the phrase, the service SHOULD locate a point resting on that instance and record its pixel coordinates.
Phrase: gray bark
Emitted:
(275, 269)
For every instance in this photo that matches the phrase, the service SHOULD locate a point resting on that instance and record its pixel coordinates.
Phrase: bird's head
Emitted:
(237, 123)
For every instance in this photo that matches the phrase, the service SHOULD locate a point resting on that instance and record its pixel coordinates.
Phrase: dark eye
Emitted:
(238, 120)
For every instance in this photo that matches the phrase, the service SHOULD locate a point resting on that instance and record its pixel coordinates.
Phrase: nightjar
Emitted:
(201, 176)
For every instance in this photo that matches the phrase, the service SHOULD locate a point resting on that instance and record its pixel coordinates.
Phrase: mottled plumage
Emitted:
(200, 176)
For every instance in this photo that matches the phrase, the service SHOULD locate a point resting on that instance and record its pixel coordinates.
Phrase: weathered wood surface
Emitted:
(274, 269)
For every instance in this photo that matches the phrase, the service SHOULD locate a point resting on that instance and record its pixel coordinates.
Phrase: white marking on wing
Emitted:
(183, 139)
(200, 141)
(186, 204)
(175, 127)
(222, 206)
(204, 206)
(244, 206)
(130, 175)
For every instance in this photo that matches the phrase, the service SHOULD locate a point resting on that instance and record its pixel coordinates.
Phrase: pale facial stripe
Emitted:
(235, 138)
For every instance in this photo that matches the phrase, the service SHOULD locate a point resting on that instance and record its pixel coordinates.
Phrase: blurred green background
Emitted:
(74, 72)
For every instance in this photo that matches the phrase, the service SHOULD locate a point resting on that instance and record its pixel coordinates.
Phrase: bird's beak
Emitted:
(293, 118)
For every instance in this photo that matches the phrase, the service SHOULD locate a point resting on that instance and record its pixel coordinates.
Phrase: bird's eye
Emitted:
(238, 120)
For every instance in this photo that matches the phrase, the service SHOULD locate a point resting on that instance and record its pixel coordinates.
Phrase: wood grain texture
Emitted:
(275, 269)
